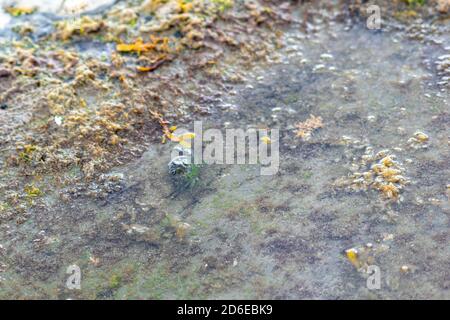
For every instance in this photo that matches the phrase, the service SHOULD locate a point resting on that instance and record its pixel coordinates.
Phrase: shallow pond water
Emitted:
(237, 234)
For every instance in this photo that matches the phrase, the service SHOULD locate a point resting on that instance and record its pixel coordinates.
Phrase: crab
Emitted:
(180, 163)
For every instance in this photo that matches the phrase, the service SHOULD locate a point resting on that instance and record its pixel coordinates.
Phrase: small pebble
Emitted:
(404, 269)
(371, 118)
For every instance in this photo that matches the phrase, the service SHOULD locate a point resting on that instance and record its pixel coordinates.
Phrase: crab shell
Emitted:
(179, 164)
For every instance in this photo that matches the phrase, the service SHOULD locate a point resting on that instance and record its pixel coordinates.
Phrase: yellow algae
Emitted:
(184, 6)
(305, 128)
(32, 191)
(384, 175)
(389, 190)
(66, 29)
(144, 69)
(188, 135)
(352, 256)
(266, 140)
(18, 11)
(139, 46)
(184, 139)
(27, 151)
(387, 161)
